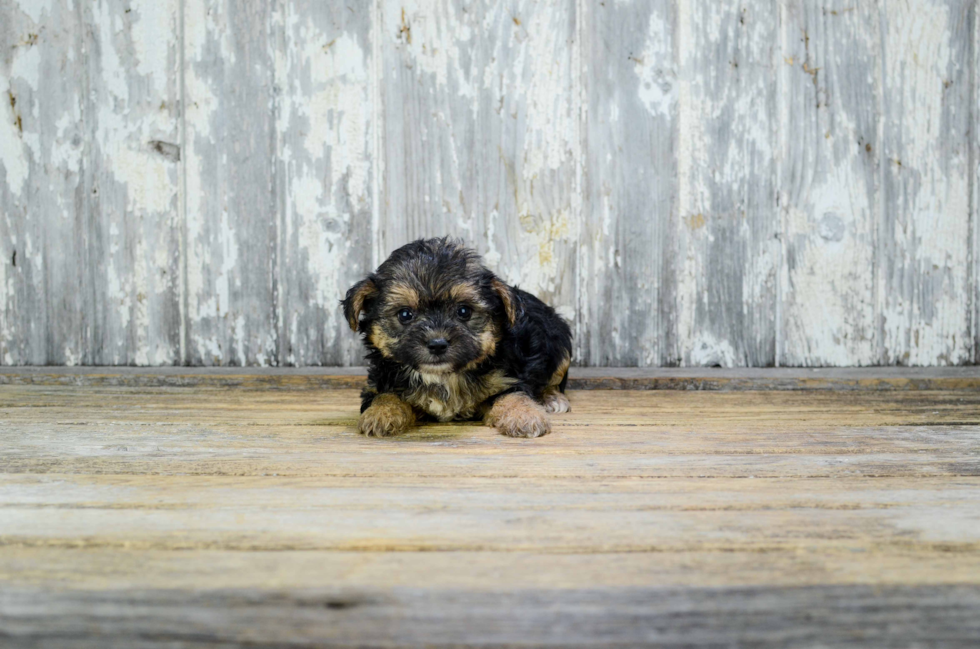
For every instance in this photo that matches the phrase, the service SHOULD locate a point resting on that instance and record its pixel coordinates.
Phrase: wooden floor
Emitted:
(219, 516)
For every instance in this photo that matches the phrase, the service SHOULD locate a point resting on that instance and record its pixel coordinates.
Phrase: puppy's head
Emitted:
(432, 307)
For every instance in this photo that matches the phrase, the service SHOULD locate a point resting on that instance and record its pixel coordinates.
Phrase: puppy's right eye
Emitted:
(405, 316)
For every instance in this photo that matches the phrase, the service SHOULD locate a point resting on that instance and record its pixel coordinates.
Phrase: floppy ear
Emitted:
(507, 297)
(358, 294)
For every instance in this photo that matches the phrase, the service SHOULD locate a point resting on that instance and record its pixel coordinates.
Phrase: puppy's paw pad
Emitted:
(556, 402)
(388, 415)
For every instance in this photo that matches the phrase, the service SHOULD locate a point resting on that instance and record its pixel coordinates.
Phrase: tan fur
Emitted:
(366, 290)
(560, 373)
(465, 293)
(552, 397)
(508, 299)
(455, 396)
(488, 345)
(387, 415)
(381, 340)
(517, 415)
(402, 295)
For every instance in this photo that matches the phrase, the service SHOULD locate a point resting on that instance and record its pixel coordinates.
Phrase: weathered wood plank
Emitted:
(324, 70)
(975, 192)
(132, 169)
(727, 250)
(626, 290)
(829, 99)
(47, 256)
(481, 135)
(231, 208)
(617, 434)
(580, 378)
(91, 569)
(923, 241)
(117, 504)
(90, 207)
(39, 261)
(550, 515)
(825, 616)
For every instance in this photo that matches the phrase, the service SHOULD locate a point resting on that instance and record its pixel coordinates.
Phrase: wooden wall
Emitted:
(699, 182)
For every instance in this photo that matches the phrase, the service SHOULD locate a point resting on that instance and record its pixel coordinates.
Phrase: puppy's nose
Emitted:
(438, 346)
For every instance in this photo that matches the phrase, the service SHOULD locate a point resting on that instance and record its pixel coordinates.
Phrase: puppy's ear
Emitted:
(356, 298)
(507, 297)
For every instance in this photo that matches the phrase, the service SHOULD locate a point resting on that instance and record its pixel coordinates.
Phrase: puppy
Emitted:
(447, 340)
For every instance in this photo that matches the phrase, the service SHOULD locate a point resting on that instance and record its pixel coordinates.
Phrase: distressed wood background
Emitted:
(713, 182)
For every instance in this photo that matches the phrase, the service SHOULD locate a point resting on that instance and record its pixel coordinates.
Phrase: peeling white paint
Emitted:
(930, 185)
(35, 9)
(655, 68)
(484, 109)
(152, 51)
(13, 157)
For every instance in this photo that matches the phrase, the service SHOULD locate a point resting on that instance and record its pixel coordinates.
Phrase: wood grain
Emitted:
(230, 202)
(325, 121)
(44, 232)
(627, 286)
(727, 246)
(755, 183)
(244, 517)
(924, 230)
(90, 152)
(829, 94)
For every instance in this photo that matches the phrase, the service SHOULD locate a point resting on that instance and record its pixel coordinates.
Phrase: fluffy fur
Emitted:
(447, 340)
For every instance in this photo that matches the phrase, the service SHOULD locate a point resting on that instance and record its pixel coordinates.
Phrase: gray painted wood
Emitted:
(89, 200)
(481, 135)
(627, 247)
(230, 201)
(198, 181)
(923, 238)
(43, 313)
(727, 246)
(829, 93)
(132, 232)
(974, 110)
(325, 69)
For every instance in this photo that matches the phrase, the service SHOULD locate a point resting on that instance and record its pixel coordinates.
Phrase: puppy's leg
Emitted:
(553, 397)
(517, 415)
(387, 415)
(554, 400)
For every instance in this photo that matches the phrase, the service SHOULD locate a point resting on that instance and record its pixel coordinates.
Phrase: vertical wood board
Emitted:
(230, 202)
(727, 252)
(829, 106)
(325, 121)
(627, 285)
(923, 242)
(90, 192)
(132, 177)
(46, 312)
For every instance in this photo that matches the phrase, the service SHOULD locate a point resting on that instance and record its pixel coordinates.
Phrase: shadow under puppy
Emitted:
(447, 339)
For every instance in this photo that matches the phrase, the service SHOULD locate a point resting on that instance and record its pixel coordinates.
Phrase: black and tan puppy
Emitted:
(447, 339)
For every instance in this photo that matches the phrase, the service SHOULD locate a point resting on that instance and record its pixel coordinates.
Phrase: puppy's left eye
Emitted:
(464, 312)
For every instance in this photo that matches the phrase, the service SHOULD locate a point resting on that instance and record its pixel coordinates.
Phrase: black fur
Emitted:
(530, 350)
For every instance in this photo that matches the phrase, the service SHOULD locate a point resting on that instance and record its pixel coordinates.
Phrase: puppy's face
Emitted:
(431, 307)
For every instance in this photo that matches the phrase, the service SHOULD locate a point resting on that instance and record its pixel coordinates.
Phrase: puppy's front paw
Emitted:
(555, 401)
(387, 415)
(517, 415)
